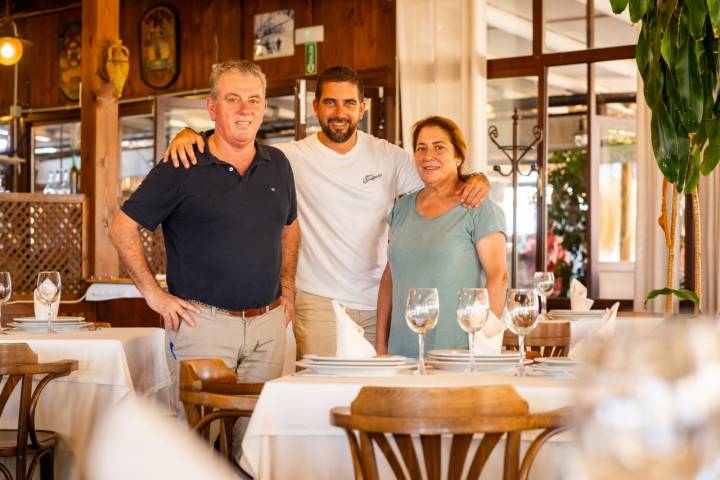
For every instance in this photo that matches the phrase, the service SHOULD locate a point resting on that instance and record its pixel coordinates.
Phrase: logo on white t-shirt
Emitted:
(370, 177)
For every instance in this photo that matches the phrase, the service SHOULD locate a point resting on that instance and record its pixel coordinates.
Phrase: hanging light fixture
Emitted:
(11, 45)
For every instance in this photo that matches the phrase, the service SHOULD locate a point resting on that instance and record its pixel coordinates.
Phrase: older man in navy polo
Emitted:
(231, 237)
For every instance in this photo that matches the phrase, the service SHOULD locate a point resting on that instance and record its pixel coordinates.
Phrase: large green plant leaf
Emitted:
(637, 9)
(664, 141)
(618, 6)
(643, 49)
(711, 155)
(666, 11)
(697, 11)
(714, 11)
(683, 294)
(693, 174)
(688, 80)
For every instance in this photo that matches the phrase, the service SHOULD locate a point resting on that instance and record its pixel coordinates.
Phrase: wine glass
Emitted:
(421, 314)
(522, 318)
(544, 284)
(473, 308)
(5, 292)
(48, 287)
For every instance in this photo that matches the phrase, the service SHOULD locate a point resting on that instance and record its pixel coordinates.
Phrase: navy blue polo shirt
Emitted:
(222, 230)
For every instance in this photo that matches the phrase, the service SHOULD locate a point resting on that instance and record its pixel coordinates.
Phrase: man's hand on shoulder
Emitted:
(181, 150)
(172, 309)
(474, 191)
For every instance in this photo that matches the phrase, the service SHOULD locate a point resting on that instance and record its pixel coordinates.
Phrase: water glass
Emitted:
(522, 318)
(544, 284)
(5, 292)
(473, 308)
(421, 314)
(48, 287)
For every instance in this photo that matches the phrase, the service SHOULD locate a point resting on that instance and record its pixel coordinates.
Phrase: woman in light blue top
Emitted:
(436, 242)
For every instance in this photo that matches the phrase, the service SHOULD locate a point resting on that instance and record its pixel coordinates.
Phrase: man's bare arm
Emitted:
(290, 245)
(125, 234)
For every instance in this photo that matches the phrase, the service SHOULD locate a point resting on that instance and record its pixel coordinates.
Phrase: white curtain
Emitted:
(710, 224)
(441, 48)
(650, 247)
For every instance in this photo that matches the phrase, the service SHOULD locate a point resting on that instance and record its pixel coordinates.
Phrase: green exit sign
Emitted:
(311, 58)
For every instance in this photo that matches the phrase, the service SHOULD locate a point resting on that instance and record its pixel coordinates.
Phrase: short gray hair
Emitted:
(243, 66)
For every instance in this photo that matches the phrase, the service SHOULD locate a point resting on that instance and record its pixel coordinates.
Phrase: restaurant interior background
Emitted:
(566, 66)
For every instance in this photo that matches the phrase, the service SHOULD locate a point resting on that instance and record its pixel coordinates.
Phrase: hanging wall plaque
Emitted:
(69, 49)
(159, 56)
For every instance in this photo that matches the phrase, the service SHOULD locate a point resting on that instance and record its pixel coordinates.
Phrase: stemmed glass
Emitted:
(544, 284)
(473, 308)
(522, 308)
(48, 287)
(421, 314)
(5, 292)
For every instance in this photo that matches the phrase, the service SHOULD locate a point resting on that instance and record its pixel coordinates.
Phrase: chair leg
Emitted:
(47, 466)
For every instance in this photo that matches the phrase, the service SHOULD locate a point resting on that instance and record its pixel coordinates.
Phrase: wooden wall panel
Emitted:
(360, 33)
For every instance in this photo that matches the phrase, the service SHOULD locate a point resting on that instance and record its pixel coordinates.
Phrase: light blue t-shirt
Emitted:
(436, 252)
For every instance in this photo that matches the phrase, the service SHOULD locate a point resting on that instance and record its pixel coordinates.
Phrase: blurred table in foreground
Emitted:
(112, 362)
(290, 436)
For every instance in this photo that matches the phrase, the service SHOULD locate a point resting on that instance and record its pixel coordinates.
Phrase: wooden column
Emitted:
(100, 133)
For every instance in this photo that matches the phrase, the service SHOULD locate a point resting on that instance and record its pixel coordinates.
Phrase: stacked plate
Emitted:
(560, 367)
(459, 360)
(354, 367)
(40, 325)
(575, 314)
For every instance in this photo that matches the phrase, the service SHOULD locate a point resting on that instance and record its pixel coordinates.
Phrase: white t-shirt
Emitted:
(343, 201)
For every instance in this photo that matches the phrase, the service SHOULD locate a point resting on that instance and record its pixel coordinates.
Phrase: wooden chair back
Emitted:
(549, 339)
(382, 414)
(210, 392)
(18, 365)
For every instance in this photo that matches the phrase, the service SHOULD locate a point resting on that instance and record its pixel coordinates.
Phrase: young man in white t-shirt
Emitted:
(346, 182)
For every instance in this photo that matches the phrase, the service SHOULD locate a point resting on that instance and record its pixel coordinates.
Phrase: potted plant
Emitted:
(677, 56)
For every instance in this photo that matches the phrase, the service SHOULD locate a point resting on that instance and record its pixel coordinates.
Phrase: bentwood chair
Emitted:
(210, 393)
(18, 367)
(548, 339)
(490, 412)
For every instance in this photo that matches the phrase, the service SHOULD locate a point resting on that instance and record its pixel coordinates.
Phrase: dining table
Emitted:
(290, 435)
(112, 364)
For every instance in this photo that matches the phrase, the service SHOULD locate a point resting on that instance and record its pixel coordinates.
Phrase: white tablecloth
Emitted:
(112, 363)
(290, 435)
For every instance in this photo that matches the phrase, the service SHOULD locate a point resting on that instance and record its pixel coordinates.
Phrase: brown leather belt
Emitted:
(254, 312)
(247, 313)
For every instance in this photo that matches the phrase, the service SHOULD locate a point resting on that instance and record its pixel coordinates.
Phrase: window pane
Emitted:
(503, 97)
(55, 149)
(565, 25)
(567, 198)
(509, 28)
(613, 30)
(137, 151)
(614, 144)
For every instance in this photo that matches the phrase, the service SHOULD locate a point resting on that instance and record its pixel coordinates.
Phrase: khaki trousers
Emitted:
(253, 347)
(314, 324)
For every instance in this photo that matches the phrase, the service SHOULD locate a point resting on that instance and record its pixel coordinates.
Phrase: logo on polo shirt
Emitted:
(370, 177)
(272, 189)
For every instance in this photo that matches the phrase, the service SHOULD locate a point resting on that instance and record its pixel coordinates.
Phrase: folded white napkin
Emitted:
(41, 310)
(578, 296)
(350, 342)
(488, 341)
(604, 330)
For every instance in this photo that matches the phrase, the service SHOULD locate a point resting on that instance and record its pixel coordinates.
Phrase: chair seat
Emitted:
(8, 441)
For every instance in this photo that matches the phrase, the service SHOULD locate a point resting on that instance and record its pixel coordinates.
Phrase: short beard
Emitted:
(337, 137)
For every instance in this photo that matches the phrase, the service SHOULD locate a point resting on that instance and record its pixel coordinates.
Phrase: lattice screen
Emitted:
(38, 235)
(154, 247)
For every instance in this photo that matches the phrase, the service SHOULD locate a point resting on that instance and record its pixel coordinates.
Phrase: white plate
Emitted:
(576, 313)
(556, 372)
(58, 328)
(558, 361)
(479, 366)
(380, 360)
(59, 319)
(354, 370)
(465, 355)
(44, 324)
